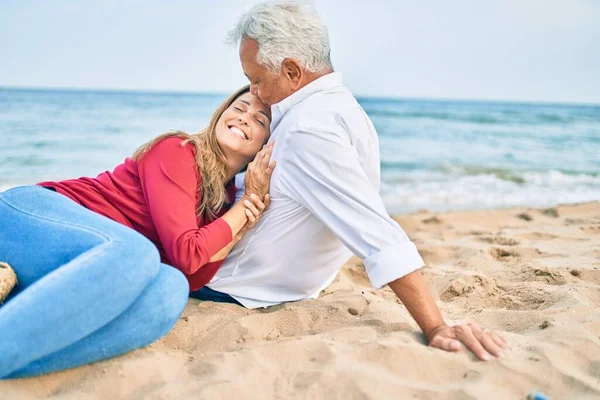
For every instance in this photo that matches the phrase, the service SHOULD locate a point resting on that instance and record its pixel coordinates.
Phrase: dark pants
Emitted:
(207, 294)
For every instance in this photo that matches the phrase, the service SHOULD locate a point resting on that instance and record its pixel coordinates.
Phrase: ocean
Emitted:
(435, 154)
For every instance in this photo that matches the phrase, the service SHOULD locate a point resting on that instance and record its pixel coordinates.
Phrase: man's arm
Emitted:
(323, 173)
(416, 297)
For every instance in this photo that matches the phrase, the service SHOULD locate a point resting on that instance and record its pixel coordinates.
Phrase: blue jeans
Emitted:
(89, 288)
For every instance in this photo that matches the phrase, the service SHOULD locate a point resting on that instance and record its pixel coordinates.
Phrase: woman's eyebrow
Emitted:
(265, 114)
(261, 111)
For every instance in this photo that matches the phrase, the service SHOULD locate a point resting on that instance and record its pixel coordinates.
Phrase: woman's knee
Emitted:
(167, 297)
(174, 288)
(140, 257)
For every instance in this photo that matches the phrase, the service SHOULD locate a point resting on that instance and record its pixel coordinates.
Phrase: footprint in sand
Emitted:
(499, 240)
(538, 236)
(545, 275)
(501, 254)
(548, 236)
(432, 220)
(508, 254)
(581, 221)
(478, 233)
(444, 254)
(478, 291)
(594, 229)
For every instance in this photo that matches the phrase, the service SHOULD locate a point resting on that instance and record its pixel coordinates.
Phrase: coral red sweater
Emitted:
(158, 197)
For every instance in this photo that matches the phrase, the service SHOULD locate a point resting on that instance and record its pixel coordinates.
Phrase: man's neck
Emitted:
(313, 76)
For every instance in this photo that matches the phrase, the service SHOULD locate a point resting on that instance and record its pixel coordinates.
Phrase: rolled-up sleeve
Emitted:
(323, 173)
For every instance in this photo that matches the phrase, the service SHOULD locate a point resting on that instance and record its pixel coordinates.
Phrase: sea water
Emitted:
(436, 155)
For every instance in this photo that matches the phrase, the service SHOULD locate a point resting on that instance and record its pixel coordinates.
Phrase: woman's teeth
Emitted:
(238, 131)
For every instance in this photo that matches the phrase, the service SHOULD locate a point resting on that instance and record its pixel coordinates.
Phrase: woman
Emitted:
(87, 252)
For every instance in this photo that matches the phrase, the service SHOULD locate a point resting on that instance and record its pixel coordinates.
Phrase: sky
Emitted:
(521, 50)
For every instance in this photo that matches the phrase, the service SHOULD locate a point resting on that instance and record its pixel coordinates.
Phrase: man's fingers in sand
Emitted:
(485, 338)
(446, 344)
(466, 336)
(497, 339)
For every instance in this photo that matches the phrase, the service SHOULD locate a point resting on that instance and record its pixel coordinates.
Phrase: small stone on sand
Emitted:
(545, 325)
(550, 212)
(525, 217)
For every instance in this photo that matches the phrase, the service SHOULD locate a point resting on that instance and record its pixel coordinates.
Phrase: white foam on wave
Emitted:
(488, 191)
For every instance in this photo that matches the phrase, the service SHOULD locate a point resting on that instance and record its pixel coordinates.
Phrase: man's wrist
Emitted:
(245, 196)
(431, 332)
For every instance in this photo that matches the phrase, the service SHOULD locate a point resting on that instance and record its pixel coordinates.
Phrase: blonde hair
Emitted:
(210, 160)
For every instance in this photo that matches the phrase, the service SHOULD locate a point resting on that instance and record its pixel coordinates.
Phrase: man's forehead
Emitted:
(248, 47)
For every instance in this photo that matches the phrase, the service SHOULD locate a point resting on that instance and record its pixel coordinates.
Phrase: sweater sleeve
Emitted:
(169, 180)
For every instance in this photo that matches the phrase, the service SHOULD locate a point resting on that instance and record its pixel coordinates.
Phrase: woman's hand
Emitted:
(254, 209)
(245, 213)
(250, 208)
(258, 174)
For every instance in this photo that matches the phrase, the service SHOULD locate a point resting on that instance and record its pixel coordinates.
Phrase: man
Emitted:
(325, 189)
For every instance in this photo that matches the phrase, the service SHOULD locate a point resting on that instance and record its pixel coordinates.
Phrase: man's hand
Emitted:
(258, 173)
(483, 342)
(416, 297)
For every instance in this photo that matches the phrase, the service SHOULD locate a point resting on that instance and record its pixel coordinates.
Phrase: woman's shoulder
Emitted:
(175, 143)
(174, 146)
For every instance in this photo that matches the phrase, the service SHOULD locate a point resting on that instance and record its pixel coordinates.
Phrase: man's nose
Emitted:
(253, 90)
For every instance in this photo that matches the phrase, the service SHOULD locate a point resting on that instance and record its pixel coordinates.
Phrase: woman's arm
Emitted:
(258, 179)
(169, 179)
(255, 207)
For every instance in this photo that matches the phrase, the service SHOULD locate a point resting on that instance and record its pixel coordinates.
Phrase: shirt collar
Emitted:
(326, 82)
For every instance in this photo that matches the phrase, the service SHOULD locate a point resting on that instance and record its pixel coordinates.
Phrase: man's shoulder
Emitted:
(325, 103)
(323, 111)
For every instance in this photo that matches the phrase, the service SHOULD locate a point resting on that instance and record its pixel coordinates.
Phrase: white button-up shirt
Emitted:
(324, 201)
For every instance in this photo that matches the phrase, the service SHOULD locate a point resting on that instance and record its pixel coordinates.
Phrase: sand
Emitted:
(8, 280)
(532, 274)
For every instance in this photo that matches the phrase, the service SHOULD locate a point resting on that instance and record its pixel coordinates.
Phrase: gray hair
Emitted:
(285, 29)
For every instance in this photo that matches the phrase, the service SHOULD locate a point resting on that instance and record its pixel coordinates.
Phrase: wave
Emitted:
(487, 188)
(485, 117)
(401, 165)
(400, 170)
(442, 116)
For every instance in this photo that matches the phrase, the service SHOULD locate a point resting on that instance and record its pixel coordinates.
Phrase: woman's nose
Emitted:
(242, 119)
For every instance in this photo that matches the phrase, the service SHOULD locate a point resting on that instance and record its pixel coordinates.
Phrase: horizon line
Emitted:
(223, 93)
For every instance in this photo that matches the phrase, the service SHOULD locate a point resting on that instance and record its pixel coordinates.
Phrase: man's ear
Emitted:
(292, 71)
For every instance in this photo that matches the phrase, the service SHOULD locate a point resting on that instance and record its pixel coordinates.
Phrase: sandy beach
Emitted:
(531, 274)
